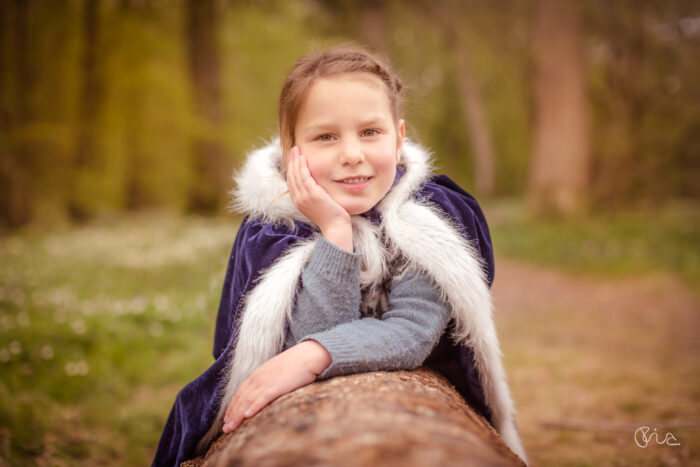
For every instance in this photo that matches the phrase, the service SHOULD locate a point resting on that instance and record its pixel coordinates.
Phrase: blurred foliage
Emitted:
(610, 245)
(642, 62)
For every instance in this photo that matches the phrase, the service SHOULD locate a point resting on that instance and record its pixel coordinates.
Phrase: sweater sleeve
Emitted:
(401, 340)
(329, 293)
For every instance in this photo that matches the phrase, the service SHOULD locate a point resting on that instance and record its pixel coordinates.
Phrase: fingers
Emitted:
(294, 179)
(302, 173)
(247, 401)
(305, 181)
(233, 417)
(299, 178)
(291, 181)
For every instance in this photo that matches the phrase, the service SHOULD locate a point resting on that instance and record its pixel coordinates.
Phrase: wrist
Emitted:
(340, 234)
(319, 358)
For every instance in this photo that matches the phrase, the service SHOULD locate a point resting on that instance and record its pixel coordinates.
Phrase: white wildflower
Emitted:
(46, 352)
(18, 297)
(200, 302)
(137, 305)
(161, 302)
(79, 326)
(82, 367)
(15, 347)
(77, 368)
(6, 323)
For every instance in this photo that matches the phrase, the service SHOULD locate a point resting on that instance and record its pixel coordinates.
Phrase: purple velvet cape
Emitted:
(256, 247)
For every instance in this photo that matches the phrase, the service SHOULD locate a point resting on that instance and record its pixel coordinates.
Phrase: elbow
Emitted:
(417, 355)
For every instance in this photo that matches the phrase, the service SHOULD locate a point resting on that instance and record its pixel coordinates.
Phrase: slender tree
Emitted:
(90, 106)
(373, 23)
(559, 175)
(471, 102)
(211, 169)
(17, 112)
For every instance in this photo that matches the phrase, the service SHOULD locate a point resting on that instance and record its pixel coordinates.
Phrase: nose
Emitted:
(351, 152)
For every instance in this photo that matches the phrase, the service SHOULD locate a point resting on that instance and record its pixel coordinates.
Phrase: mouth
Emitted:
(354, 180)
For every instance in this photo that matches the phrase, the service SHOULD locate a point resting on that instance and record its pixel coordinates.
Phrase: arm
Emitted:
(329, 293)
(402, 339)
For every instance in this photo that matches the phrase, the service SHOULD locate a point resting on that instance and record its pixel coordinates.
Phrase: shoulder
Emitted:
(450, 197)
(463, 210)
(259, 242)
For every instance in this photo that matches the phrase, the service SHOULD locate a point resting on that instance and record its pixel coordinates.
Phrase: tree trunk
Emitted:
(472, 106)
(399, 418)
(16, 114)
(211, 170)
(373, 23)
(559, 174)
(91, 97)
(471, 101)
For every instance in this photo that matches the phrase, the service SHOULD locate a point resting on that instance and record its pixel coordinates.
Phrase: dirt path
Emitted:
(591, 360)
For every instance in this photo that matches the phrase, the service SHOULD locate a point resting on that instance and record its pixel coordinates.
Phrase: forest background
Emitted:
(575, 123)
(109, 106)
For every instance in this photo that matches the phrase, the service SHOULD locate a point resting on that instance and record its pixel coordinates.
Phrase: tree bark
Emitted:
(211, 169)
(91, 97)
(472, 105)
(559, 175)
(373, 23)
(16, 113)
(399, 418)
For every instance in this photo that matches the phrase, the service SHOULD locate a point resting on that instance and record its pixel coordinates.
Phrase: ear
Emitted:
(400, 135)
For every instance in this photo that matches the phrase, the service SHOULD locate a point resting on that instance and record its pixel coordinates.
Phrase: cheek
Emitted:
(319, 168)
(386, 162)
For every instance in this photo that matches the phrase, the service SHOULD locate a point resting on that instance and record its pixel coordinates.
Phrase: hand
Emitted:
(295, 367)
(311, 198)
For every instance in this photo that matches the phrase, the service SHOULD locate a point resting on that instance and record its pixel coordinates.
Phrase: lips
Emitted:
(354, 179)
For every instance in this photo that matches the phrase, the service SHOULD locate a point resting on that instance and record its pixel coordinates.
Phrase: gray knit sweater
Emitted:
(327, 310)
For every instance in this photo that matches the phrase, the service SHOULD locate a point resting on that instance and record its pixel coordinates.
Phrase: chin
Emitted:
(355, 209)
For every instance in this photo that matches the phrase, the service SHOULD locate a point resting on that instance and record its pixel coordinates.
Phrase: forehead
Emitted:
(359, 87)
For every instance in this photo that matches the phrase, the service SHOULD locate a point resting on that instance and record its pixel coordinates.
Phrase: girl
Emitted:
(352, 258)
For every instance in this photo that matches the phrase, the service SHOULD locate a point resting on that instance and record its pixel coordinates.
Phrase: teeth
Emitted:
(355, 180)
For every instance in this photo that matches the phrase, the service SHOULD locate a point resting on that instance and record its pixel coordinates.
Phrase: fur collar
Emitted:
(260, 186)
(427, 238)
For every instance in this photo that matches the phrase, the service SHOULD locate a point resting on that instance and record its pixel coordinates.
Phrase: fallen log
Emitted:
(398, 418)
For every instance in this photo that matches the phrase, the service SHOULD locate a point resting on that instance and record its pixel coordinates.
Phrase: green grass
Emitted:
(618, 244)
(100, 327)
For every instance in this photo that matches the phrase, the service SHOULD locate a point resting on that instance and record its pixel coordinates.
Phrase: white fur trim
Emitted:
(455, 266)
(429, 240)
(261, 333)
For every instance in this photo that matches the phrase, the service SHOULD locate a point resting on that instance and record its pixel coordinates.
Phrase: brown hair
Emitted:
(329, 62)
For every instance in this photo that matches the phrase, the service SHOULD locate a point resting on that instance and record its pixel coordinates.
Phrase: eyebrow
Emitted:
(320, 126)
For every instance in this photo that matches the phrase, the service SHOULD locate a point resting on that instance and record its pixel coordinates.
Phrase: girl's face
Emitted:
(346, 132)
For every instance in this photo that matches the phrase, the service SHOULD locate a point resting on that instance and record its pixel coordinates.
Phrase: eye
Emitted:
(324, 137)
(370, 132)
